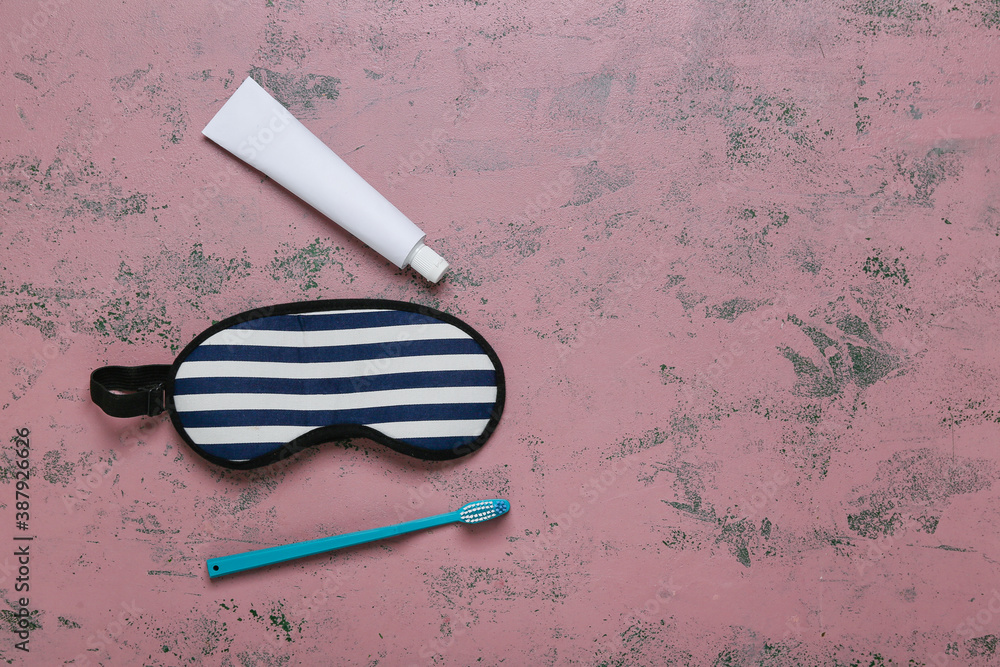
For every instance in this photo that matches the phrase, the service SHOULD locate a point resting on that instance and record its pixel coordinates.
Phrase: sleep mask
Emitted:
(259, 386)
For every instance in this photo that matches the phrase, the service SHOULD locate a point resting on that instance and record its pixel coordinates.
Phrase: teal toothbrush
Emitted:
(477, 512)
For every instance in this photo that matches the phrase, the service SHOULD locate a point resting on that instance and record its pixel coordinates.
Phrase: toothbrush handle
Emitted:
(223, 565)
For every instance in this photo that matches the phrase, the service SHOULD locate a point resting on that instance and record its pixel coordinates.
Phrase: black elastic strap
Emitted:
(129, 391)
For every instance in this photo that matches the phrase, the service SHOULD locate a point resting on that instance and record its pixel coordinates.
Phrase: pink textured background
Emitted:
(740, 261)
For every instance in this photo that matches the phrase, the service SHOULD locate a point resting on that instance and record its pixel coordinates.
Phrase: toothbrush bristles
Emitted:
(483, 510)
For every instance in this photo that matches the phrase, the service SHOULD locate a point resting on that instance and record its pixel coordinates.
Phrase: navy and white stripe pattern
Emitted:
(248, 390)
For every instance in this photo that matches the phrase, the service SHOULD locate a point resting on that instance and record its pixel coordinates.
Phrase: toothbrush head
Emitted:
(483, 510)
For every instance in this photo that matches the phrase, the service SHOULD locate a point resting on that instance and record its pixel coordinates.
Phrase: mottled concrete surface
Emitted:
(740, 260)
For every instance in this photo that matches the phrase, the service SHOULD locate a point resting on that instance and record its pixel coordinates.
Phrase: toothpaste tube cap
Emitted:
(428, 263)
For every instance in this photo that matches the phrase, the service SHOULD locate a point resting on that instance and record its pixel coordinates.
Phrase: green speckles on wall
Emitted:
(191, 640)
(877, 520)
(55, 470)
(492, 481)
(115, 208)
(129, 81)
(869, 365)
(918, 176)
(810, 413)
(891, 17)
(140, 308)
(733, 308)
(134, 320)
(656, 631)
(463, 278)
(591, 182)
(862, 121)
(640, 638)
(281, 625)
(38, 307)
(851, 354)
(885, 103)
(631, 445)
(972, 412)
(689, 298)
(197, 273)
(304, 265)
(297, 92)
(583, 101)
(19, 176)
(842, 544)
(27, 79)
(671, 282)
(852, 325)
(983, 646)
(984, 12)
(523, 237)
(605, 228)
(453, 589)
(770, 109)
(763, 127)
(743, 146)
(811, 380)
(71, 187)
(894, 271)
(144, 90)
(745, 536)
(912, 489)
(15, 624)
(755, 230)
(668, 375)
(688, 482)
(676, 539)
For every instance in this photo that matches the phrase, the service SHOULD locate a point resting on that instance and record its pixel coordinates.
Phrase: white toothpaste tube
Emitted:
(256, 128)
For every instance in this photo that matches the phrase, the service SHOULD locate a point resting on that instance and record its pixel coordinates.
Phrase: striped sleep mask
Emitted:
(264, 384)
